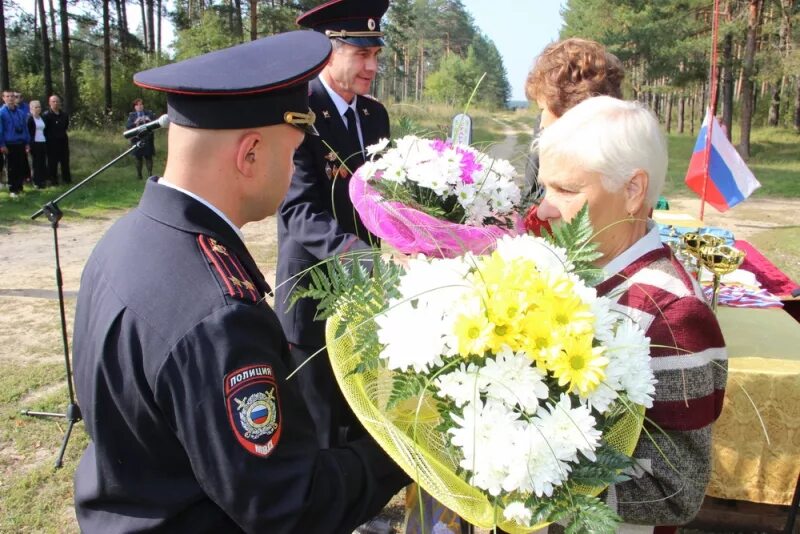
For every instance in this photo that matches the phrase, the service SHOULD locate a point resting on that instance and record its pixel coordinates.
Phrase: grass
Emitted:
(115, 188)
(782, 247)
(35, 496)
(774, 160)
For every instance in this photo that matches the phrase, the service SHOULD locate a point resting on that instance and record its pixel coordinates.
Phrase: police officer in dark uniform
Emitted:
(180, 365)
(317, 220)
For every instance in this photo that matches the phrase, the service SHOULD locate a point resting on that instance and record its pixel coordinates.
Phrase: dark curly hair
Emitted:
(568, 72)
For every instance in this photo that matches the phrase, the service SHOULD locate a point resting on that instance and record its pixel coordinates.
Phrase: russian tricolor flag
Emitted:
(729, 179)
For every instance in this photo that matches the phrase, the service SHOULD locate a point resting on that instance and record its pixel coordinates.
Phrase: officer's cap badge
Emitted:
(253, 405)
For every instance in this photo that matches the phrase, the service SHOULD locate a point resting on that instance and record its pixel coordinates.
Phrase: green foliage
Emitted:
(435, 49)
(591, 515)
(357, 295)
(406, 386)
(581, 513)
(605, 470)
(576, 237)
(453, 82)
(213, 32)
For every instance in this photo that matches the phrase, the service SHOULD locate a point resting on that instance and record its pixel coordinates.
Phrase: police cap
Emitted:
(356, 22)
(259, 83)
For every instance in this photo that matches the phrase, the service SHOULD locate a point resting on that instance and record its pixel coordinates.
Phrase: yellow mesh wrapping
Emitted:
(408, 435)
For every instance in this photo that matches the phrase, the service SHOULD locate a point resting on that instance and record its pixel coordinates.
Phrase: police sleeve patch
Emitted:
(254, 410)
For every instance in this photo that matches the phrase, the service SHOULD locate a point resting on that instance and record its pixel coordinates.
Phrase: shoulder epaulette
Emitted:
(229, 269)
(370, 97)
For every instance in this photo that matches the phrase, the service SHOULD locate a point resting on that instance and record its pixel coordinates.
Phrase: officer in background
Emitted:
(317, 219)
(180, 365)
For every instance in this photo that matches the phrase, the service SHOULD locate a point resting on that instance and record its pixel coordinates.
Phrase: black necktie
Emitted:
(352, 128)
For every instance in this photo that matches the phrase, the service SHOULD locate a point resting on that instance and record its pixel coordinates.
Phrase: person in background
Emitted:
(56, 124)
(566, 73)
(22, 104)
(611, 155)
(38, 145)
(144, 153)
(14, 142)
(317, 220)
(180, 363)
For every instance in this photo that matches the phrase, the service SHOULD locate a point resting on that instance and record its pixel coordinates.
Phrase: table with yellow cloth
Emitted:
(756, 441)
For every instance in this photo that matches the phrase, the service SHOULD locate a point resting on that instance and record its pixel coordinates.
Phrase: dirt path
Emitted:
(30, 327)
(507, 148)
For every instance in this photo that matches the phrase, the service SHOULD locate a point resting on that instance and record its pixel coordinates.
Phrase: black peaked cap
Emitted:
(259, 83)
(356, 22)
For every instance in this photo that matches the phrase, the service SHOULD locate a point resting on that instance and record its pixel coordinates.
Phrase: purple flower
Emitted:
(439, 145)
(468, 165)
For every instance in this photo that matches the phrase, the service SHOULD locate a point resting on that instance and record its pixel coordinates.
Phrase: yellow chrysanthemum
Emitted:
(472, 331)
(539, 336)
(579, 364)
(571, 315)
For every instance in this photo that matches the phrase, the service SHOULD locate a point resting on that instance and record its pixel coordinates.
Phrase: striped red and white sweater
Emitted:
(690, 362)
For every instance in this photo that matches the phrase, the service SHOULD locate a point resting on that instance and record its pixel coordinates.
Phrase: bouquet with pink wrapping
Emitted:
(436, 198)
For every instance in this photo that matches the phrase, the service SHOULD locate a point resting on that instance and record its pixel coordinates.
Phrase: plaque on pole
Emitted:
(461, 132)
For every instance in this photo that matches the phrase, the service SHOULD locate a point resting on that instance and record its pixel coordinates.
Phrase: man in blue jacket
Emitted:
(14, 142)
(180, 364)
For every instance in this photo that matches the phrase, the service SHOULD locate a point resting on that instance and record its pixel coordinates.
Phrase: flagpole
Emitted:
(712, 105)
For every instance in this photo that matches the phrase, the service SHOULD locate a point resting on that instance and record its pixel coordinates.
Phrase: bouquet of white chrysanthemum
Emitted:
(501, 383)
(435, 197)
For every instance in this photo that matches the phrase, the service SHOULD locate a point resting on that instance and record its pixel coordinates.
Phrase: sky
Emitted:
(520, 29)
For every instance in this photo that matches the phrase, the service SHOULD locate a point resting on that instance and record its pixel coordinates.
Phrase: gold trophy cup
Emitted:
(720, 260)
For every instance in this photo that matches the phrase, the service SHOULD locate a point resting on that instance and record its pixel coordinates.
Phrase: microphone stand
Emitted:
(54, 215)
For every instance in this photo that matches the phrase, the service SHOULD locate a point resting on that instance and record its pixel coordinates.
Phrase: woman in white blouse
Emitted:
(38, 147)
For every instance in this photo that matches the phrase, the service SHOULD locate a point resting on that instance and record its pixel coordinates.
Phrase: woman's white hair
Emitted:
(612, 137)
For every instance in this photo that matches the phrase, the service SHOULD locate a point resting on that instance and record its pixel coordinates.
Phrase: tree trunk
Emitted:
(66, 67)
(748, 86)
(727, 84)
(120, 27)
(48, 69)
(239, 22)
(158, 28)
(145, 29)
(406, 69)
(682, 113)
(775, 103)
(106, 56)
(151, 34)
(669, 112)
(54, 36)
(125, 26)
(253, 20)
(5, 77)
(797, 106)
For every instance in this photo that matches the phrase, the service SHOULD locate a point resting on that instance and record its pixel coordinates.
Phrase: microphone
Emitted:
(161, 122)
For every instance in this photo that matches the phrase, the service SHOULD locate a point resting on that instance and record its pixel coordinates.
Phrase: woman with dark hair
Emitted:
(565, 74)
(145, 153)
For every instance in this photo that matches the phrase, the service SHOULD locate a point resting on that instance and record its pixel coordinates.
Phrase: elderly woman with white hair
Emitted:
(611, 155)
